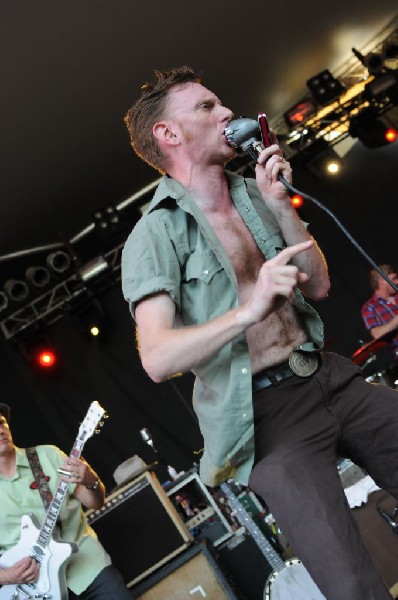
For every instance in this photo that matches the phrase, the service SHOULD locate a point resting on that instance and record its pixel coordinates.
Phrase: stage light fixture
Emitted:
(297, 200)
(90, 318)
(371, 130)
(17, 290)
(324, 87)
(39, 352)
(300, 112)
(332, 166)
(39, 277)
(59, 261)
(46, 358)
(93, 268)
(390, 50)
(384, 85)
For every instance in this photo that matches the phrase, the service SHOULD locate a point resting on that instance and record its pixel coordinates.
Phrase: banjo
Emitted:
(289, 579)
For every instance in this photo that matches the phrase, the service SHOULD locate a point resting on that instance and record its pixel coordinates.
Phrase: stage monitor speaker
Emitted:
(193, 574)
(139, 528)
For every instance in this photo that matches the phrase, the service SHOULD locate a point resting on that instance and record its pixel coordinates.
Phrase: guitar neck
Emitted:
(246, 520)
(91, 423)
(53, 511)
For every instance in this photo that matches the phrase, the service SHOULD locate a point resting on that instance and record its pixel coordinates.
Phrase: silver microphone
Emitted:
(245, 133)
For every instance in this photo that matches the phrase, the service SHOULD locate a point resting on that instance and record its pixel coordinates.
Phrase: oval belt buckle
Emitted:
(303, 364)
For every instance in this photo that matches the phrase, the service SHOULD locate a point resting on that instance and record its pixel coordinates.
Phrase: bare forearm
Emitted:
(182, 349)
(312, 261)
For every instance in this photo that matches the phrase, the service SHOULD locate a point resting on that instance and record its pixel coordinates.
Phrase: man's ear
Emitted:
(164, 134)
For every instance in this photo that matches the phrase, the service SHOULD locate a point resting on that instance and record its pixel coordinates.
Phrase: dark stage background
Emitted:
(47, 408)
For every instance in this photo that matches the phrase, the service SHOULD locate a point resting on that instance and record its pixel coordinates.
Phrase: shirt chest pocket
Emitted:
(206, 290)
(202, 266)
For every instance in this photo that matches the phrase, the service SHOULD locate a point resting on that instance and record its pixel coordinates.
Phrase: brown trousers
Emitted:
(302, 426)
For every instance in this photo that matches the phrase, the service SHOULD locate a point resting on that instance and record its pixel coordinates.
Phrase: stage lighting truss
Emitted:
(362, 90)
(49, 307)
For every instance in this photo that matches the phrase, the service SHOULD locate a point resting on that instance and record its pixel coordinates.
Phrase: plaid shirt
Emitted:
(378, 311)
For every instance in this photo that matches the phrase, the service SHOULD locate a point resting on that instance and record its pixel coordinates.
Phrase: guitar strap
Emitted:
(41, 479)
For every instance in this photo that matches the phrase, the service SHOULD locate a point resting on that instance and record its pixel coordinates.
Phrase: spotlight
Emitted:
(16, 289)
(332, 166)
(38, 277)
(370, 130)
(391, 135)
(297, 200)
(324, 87)
(39, 352)
(91, 318)
(59, 261)
(46, 358)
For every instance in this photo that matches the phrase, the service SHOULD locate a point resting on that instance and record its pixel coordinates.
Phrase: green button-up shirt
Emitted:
(173, 249)
(17, 498)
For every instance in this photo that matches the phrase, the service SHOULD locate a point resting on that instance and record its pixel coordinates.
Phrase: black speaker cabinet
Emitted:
(193, 574)
(139, 528)
(247, 564)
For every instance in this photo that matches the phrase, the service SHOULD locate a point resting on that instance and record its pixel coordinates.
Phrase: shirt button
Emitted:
(247, 208)
(205, 271)
(263, 241)
(244, 370)
(244, 416)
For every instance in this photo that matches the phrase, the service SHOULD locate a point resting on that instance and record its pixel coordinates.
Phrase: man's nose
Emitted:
(228, 115)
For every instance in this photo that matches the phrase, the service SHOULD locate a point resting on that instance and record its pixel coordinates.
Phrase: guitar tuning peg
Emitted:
(105, 415)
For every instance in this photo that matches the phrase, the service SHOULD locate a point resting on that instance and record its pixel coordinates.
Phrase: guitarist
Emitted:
(89, 573)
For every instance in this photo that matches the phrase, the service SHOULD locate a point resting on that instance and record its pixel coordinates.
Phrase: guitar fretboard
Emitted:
(246, 520)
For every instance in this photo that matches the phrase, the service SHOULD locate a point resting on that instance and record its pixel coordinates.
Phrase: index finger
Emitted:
(288, 253)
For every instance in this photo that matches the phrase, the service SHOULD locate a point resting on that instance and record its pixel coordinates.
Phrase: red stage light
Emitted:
(391, 135)
(46, 358)
(297, 201)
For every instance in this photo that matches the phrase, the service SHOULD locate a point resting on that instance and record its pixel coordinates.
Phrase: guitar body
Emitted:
(292, 583)
(52, 581)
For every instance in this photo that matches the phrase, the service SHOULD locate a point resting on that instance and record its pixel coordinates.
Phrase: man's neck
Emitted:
(8, 463)
(208, 186)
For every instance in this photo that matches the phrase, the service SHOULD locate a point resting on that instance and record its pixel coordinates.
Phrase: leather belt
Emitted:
(302, 364)
(271, 376)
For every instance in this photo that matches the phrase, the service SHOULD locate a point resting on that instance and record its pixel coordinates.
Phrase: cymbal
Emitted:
(363, 353)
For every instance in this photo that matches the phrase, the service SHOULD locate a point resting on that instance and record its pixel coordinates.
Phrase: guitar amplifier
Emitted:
(139, 528)
(195, 573)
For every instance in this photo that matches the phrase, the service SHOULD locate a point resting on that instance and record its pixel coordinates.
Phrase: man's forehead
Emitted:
(187, 95)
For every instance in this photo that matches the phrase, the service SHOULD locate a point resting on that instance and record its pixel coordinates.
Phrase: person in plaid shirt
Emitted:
(380, 312)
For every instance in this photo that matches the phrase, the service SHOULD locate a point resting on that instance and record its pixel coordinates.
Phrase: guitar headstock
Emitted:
(93, 420)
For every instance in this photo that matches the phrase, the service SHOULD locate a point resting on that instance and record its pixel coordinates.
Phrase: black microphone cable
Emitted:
(319, 204)
(244, 133)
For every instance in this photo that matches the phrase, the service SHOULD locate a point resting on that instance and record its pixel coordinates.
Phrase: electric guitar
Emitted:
(43, 544)
(289, 580)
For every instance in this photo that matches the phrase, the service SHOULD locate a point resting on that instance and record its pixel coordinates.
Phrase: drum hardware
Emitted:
(370, 348)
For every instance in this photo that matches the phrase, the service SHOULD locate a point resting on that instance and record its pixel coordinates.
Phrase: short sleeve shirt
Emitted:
(17, 498)
(173, 249)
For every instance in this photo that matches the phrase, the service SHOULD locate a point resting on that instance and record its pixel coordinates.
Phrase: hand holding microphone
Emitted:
(255, 138)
